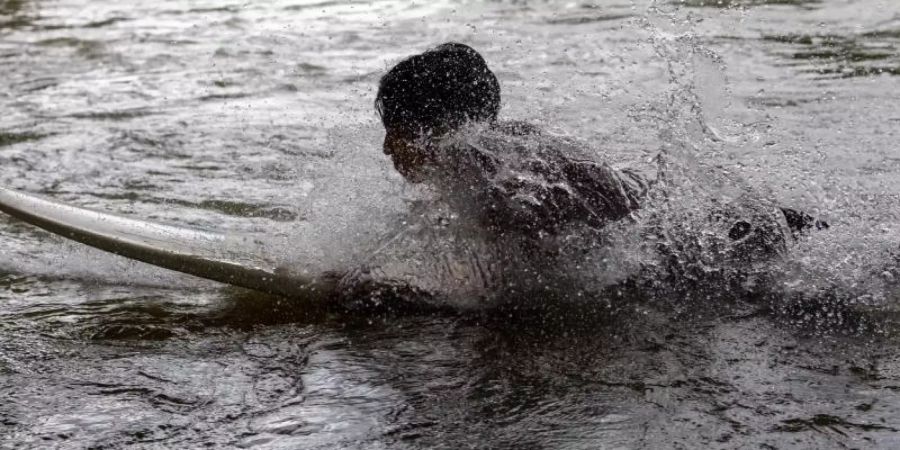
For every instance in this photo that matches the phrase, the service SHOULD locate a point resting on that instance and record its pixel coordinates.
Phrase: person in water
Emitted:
(440, 112)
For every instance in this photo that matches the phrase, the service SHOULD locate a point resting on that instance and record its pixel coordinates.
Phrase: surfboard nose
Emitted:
(202, 253)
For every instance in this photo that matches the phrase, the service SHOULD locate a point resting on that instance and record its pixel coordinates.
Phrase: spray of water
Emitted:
(678, 241)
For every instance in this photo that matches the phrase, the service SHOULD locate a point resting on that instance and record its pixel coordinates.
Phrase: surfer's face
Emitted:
(408, 155)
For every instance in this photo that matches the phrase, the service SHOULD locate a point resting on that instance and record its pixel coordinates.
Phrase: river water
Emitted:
(258, 118)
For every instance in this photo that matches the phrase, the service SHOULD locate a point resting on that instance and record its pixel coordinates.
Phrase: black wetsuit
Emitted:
(516, 179)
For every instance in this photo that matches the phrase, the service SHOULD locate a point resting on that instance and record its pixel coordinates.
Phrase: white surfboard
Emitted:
(205, 254)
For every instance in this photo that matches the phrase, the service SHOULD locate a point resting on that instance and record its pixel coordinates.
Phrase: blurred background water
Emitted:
(258, 118)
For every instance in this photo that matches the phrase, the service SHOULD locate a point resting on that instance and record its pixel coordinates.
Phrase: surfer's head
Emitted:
(431, 94)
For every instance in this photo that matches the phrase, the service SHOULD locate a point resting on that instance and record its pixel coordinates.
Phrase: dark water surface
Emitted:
(257, 118)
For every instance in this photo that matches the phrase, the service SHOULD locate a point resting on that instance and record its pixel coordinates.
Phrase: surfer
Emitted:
(440, 113)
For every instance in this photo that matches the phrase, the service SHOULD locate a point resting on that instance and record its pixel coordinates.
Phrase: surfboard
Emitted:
(203, 253)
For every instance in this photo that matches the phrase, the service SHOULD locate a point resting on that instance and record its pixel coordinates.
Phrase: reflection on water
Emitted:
(12, 14)
(746, 3)
(15, 138)
(868, 54)
(258, 119)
